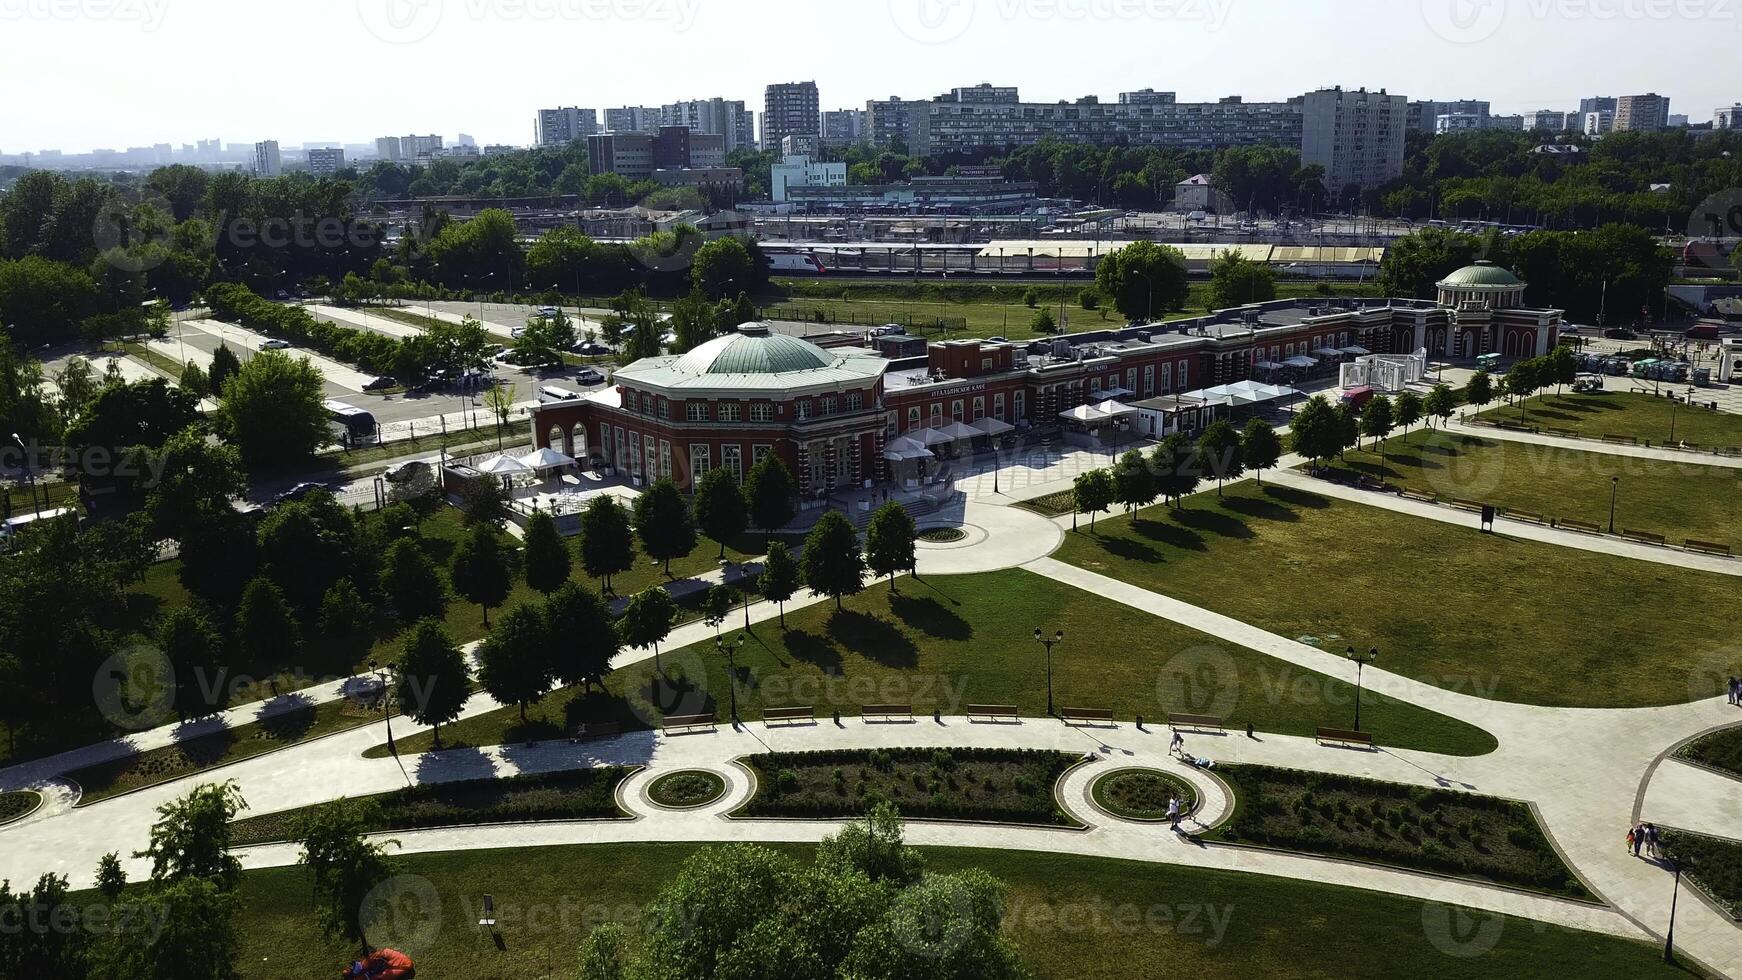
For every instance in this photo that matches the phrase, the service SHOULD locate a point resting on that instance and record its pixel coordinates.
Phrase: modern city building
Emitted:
(843, 127)
(1457, 122)
(801, 171)
(1600, 122)
(1424, 115)
(832, 414)
(1147, 96)
(266, 159)
(790, 109)
(414, 148)
(889, 122)
(1601, 103)
(559, 127)
(1549, 120)
(799, 145)
(1647, 113)
(388, 148)
(638, 156)
(1356, 135)
(632, 119)
(1511, 123)
(325, 161)
(720, 117)
(1728, 118)
(628, 155)
(1678, 121)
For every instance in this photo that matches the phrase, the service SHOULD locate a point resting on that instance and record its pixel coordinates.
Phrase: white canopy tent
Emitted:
(1117, 393)
(1300, 362)
(906, 449)
(1328, 352)
(1087, 414)
(990, 426)
(1245, 393)
(932, 437)
(505, 466)
(1357, 351)
(546, 459)
(1113, 409)
(956, 431)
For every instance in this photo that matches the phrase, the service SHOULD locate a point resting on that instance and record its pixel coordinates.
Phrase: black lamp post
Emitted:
(384, 673)
(1360, 662)
(730, 649)
(1614, 494)
(1674, 894)
(1049, 642)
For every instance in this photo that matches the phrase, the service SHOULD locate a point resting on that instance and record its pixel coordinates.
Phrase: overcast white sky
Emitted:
(82, 73)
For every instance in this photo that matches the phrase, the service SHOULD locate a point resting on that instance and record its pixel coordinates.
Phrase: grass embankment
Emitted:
(1448, 605)
(944, 643)
(992, 785)
(1460, 834)
(1074, 918)
(1677, 500)
(579, 794)
(1625, 413)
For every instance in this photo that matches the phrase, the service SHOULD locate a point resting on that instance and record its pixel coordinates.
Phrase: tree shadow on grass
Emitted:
(874, 639)
(930, 617)
(1266, 510)
(814, 650)
(1131, 550)
(1168, 533)
(1215, 522)
(290, 718)
(1297, 498)
(454, 764)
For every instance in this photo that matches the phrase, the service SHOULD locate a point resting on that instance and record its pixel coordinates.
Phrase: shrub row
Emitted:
(1713, 864)
(1720, 750)
(239, 304)
(987, 785)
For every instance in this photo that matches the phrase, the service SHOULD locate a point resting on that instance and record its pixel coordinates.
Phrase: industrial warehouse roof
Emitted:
(755, 358)
(1482, 274)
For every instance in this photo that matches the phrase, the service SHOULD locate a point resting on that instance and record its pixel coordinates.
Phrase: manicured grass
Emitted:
(1720, 750)
(1448, 605)
(17, 804)
(209, 743)
(1625, 413)
(1714, 864)
(1142, 794)
(1074, 918)
(944, 643)
(1453, 833)
(993, 785)
(686, 789)
(457, 443)
(1678, 500)
(578, 794)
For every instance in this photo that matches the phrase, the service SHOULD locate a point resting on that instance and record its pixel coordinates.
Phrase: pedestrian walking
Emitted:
(1735, 691)
(1651, 838)
(1173, 812)
(1178, 745)
(1633, 836)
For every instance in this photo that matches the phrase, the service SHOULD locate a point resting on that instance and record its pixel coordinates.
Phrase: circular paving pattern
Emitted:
(958, 536)
(943, 535)
(1141, 794)
(686, 789)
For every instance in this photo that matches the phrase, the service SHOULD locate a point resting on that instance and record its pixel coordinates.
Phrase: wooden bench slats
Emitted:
(1644, 537)
(1086, 714)
(1343, 735)
(1622, 440)
(991, 711)
(1470, 505)
(1585, 526)
(1426, 498)
(1178, 720)
(1710, 548)
(797, 713)
(1529, 516)
(885, 710)
(688, 721)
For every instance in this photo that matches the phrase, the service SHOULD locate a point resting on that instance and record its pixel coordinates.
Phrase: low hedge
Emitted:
(1712, 863)
(1720, 750)
(985, 785)
(15, 804)
(579, 794)
(1459, 834)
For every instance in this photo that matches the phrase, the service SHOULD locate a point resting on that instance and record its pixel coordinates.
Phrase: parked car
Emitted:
(380, 384)
(547, 311)
(889, 329)
(588, 376)
(275, 344)
(407, 471)
(1620, 333)
(593, 350)
(298, 492)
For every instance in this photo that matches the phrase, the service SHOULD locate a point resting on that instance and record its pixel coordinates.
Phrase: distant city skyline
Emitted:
(485, 67)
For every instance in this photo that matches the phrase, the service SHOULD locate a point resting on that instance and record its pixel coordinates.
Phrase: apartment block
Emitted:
(559, 127)
(1357, 136)
(790, 109)
(1647, 113)
(266, 159)
(326, 161)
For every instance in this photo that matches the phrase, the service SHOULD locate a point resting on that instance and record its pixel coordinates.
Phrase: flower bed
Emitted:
(942, 535)
(580, 794)
(1413, 827)
(687, 789)
(1053, 504)
(1141, 794)
(18, 804)
(1719, 750)
(991, 785)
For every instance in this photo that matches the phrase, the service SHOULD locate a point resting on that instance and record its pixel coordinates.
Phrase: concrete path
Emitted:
(1656, 454)
(247, 343)
(361, 318)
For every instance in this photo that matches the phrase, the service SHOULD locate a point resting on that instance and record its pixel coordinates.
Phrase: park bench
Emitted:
(1528, 516)
(1344, 736)
(886, 711)
(1643, 537)
(1728, 451)
(1102, 716)
(1426, 498)
(1469, 505)
(1515, 427)
(1200, 723)
(1710, 548)
(1006, 712)
(1688, 447)
(1563, 433)
(595, 729)
(1621, 440)
(1585, 526)
(1368, 483)
(676, 723)
(791, 715)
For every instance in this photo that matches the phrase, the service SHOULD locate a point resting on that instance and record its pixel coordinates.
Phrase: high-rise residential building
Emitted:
(790, 109)
(1641, 113)
(1549, 120)
(1357, 136)
(946, 124)
(890, 121)
(1513, 123)
(1601, 103)
(326, 161)
(387, 148)
(632, 119)
(559, 127)
(412, 148)
(726, 118)
(1147, 96)
(1425, 115)
(1728, 118)
(844, 127)
(266, 160)
(465, 139)
(1457, 122)
(1599, 122)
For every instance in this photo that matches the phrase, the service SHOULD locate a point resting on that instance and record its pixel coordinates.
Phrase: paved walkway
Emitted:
(1656, 454)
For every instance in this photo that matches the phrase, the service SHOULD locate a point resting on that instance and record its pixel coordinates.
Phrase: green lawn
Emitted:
(1483, 614)
(948, 642)
(1625, 413)
(1074, 918)
(1678, 500)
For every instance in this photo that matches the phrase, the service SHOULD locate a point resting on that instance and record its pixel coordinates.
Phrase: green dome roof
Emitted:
(1481, 274)
(754, 349)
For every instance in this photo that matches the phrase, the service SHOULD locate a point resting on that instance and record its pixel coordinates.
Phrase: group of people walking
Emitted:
(1643, 836)
(1735, 691)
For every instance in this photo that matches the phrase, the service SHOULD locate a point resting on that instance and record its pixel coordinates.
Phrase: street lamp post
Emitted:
(29, 474)
(384, 673)
(1049, 642)
(1674, 894)
(1614, 493)
(1360, 662)
(730, 649)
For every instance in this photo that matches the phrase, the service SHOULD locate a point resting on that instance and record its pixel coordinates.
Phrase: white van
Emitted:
(550, 394)
(13, 525)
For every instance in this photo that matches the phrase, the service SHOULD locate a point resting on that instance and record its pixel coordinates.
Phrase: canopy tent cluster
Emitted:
(1245, 393)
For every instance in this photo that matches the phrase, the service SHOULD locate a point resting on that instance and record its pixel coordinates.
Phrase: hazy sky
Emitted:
(81, 73)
